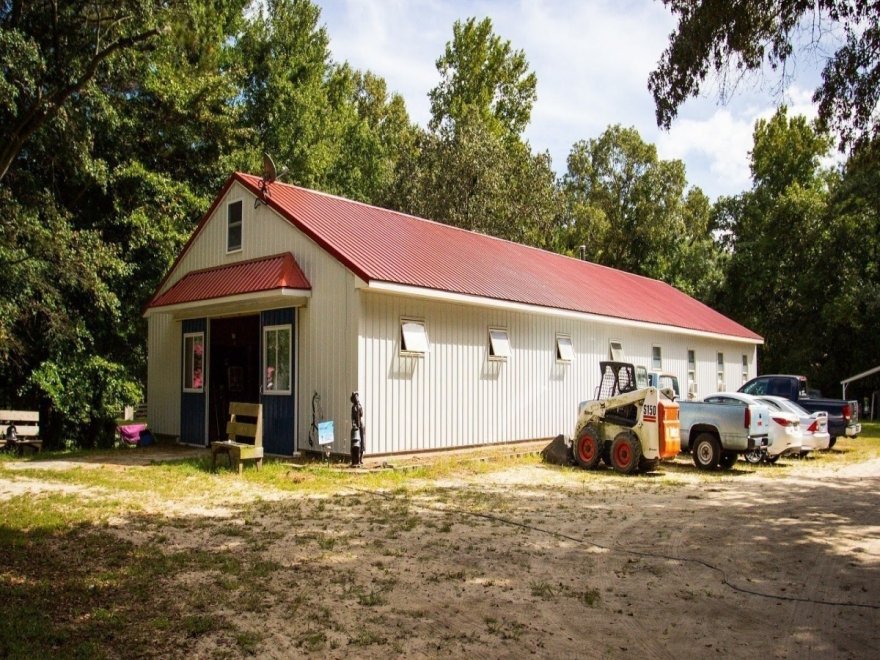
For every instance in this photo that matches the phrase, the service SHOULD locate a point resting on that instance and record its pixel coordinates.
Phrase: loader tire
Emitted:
(706, 451)
(588, 448)
(626, 453)
(648, 464)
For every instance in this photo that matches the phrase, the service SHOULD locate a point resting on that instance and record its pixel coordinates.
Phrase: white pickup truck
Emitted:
(716, 433)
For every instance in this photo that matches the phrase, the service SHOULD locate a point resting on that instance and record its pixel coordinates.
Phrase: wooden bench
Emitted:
(241, 451)
(27, 429)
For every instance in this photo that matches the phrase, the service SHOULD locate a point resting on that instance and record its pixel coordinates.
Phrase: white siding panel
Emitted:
(455, 396)
(163, 374)
(327, 326)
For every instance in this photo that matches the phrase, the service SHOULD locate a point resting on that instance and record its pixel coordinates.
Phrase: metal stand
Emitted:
(358, 432)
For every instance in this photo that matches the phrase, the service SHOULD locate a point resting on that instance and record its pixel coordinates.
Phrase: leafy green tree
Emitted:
(102, 194)
(336, 129)
(731, 37)
(630, 210)
(468, 176)
(482, 75)
(471, 169)
(780, 275)
(51, 54)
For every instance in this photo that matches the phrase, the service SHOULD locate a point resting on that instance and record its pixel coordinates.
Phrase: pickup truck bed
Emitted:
(843, 416)
(715, 432)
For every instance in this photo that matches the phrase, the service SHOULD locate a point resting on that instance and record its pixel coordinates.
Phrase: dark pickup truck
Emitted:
(843, 416)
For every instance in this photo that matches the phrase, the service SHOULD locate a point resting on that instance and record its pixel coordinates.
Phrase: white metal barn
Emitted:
(452, 338)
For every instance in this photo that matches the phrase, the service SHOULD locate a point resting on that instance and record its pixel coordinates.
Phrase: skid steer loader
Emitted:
(628, 427)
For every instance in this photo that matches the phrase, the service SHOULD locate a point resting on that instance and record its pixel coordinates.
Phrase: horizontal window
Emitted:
(499, 344)
(616, 351)
(564, 348)
(413, 337)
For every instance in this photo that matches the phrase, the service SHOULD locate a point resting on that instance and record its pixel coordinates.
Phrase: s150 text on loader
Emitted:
(628, 427)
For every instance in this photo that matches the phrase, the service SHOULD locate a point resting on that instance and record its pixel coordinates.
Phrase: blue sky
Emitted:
(592, 59)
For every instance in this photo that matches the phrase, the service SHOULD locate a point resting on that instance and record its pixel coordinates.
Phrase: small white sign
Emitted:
(325, 433)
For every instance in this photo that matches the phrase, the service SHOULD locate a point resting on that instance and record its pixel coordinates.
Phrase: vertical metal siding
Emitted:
(163, 374)
(326, 333)
(454, 396)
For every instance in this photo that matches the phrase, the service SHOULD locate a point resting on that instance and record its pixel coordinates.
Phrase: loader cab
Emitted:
(662, 380)
(641, 377)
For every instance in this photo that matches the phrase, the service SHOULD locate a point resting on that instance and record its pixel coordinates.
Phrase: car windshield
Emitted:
(772, 404)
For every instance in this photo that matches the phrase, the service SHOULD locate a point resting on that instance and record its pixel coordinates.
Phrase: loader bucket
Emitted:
(557, 452)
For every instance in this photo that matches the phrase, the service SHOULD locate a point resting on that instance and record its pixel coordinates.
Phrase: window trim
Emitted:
(408, 352)
(240, 224)
(692, 371)
(659, 350)
(263, 389)
(560, 356)
(494, 356)
(193, 390)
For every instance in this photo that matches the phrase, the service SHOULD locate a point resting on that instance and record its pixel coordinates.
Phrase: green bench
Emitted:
(235, 428)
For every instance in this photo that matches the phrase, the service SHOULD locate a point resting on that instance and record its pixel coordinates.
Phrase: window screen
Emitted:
(499, 344)
(233, 226)
(616, 349)
(276, 359)
(656, 358)
(564, 349)
(193, 362)
(413, 338)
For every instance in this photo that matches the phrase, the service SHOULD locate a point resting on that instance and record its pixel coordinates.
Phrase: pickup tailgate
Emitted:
(757, 420)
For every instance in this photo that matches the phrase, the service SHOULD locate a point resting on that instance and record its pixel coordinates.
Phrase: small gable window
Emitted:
(499, 344)
(564, 348)
(413, 337)
(233, 226)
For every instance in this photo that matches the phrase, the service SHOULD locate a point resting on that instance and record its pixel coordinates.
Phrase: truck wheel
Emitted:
(727, 460)
(755, 456)
(706, 452)
(587, 448)
(832, 442)
(626, 453)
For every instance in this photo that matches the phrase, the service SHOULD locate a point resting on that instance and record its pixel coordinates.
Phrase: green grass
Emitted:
(89, 565)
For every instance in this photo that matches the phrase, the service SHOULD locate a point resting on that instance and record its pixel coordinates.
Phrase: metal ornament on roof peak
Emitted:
(270, 175)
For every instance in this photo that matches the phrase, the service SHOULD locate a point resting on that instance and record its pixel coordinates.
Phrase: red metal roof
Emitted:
(265, 274)
(387, 246)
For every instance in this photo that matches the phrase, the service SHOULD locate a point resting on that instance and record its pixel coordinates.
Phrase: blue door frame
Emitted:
(279, 415)
(193, 413)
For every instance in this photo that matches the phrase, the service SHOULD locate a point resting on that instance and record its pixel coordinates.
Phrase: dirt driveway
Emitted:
(529, 560)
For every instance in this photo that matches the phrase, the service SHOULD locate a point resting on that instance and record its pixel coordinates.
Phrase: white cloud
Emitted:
(592, 60)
